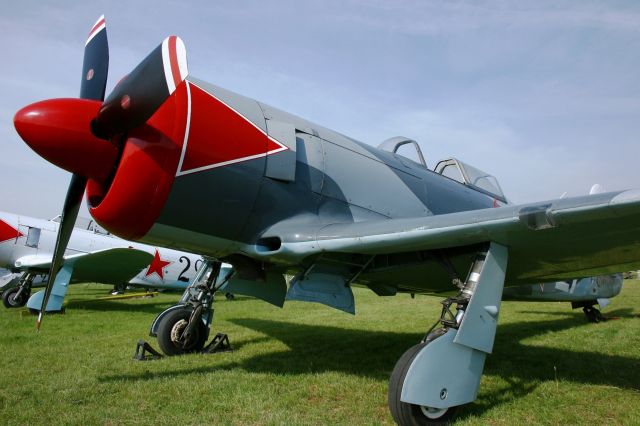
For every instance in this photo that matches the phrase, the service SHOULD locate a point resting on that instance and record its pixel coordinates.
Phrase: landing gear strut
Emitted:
(118, 289)
(17, 296)
(443, 371)
(592, 313)
(184, 328)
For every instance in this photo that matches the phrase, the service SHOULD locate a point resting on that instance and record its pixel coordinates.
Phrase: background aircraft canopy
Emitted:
(86, 224)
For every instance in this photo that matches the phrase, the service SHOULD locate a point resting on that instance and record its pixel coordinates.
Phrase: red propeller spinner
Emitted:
(60, 131)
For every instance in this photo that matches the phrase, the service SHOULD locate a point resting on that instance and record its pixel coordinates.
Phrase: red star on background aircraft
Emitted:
(157, 265)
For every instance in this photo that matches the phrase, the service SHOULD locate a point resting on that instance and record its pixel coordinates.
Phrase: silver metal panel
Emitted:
(282, 166)
(443, 368)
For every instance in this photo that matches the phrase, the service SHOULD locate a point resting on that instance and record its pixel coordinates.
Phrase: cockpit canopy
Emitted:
(86, 224)
(451, 168)
(470, 176)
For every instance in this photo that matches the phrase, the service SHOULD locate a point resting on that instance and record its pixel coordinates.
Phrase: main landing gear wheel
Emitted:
(171, 329)
(406, 414)
(10, 300)
(593, 314)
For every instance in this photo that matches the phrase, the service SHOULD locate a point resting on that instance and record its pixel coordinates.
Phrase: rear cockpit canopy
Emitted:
(471, 177)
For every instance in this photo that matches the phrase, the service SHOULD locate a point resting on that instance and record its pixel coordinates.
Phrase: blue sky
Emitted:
(545, 94)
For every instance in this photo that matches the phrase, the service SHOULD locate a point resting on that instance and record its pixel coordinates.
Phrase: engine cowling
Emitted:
(130, 202)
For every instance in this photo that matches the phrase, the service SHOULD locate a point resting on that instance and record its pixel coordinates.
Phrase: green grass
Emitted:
(309, 364)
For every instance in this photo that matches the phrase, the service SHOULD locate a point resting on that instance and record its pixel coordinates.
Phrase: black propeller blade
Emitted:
(95, 66)
(138, 95)
(67, 222)
(94, 81)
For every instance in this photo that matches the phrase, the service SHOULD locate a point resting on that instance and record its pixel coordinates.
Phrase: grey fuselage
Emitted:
(333, 179)
(249, 208)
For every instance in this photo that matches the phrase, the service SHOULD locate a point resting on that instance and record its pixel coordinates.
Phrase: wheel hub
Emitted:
(13, 300)
(433, 413)
(177, 330)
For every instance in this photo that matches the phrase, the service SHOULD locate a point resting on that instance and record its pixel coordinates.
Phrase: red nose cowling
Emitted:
(60, 131)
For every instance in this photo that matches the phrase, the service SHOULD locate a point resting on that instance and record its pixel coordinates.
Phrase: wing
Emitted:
(553, 240)
(109, 266)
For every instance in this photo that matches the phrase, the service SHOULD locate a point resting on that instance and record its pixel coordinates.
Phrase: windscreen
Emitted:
(482, 180)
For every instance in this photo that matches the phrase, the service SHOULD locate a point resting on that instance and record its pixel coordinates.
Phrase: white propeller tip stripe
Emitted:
(95, 30)
(181, 53)
(180, 59)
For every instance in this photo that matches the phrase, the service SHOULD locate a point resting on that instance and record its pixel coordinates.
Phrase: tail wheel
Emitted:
(10, 300)
(171, 329)
(406, 414)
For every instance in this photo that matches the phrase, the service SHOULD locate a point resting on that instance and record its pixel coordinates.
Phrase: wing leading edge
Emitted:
(549, 240)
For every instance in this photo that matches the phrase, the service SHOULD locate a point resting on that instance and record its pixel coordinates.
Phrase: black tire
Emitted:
(593, 315)
(174, 323)
(10, 301)
(406, 414)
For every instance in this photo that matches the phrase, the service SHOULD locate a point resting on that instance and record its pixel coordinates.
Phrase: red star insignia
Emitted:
(157, 266)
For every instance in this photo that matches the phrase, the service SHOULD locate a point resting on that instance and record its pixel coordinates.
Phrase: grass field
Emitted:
(309, 364)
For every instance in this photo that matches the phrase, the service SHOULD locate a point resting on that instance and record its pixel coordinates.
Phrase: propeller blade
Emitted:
(69, 215)
(95, 66)
(137, 96)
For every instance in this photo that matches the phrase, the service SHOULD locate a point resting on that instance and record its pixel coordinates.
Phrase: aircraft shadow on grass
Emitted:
(117, 306)
(317, 349)
(148, 305)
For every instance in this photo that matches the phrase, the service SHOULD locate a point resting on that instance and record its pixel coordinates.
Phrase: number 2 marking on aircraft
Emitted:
(196, 266)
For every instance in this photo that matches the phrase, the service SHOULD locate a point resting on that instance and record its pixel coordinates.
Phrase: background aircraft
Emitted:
(26, 248)
(583, 293)
(277, 194)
